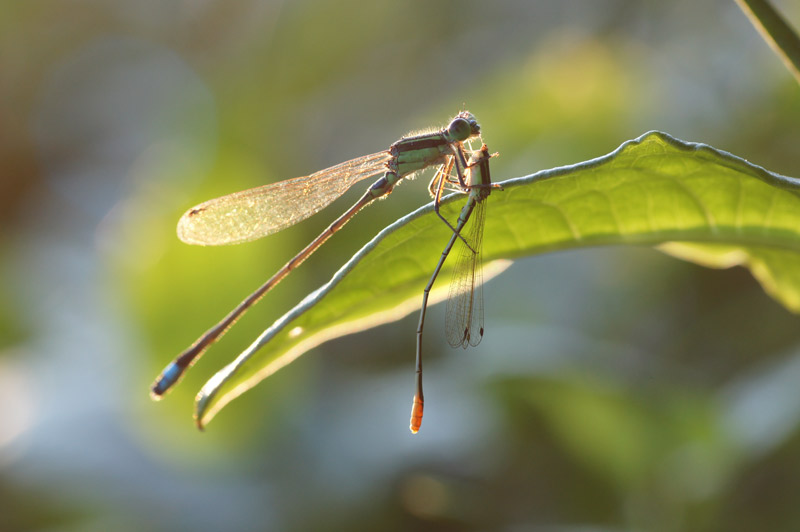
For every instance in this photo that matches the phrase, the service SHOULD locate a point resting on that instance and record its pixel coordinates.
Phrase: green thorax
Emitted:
(411, 154)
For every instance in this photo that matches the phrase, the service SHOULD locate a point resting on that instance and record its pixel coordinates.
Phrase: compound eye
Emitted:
(459, 129)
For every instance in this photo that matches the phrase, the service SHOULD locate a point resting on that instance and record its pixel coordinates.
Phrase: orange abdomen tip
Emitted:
(416, 414)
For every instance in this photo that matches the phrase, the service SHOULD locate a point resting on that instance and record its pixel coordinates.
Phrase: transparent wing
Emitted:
(464, 313)
(261, 211)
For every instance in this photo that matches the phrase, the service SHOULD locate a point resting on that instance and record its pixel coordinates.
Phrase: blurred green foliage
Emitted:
(615, 389)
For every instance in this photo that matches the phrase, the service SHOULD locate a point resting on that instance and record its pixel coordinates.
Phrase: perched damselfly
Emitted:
(464, 313)
(251, 214)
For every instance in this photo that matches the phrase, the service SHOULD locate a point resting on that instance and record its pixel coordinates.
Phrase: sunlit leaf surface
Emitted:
(708, 206)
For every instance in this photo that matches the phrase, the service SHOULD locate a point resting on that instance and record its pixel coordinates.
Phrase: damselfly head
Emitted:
(463, 127)
(480, 155)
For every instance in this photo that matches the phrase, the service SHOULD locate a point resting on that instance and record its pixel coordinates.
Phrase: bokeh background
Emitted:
(615, 389)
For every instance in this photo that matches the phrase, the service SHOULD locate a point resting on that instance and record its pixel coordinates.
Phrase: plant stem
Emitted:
(776, 31)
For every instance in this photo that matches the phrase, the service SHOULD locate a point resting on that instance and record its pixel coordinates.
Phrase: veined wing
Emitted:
(261, 211)
(464, 313)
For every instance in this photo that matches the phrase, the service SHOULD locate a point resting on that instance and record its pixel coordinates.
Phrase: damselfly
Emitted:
(464, 313)
(254, 213)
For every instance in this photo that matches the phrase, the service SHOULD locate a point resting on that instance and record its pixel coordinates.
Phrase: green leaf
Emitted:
(778, 270)
(718, 208)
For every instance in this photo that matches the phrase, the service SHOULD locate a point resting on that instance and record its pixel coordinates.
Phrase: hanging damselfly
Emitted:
(464, 311)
